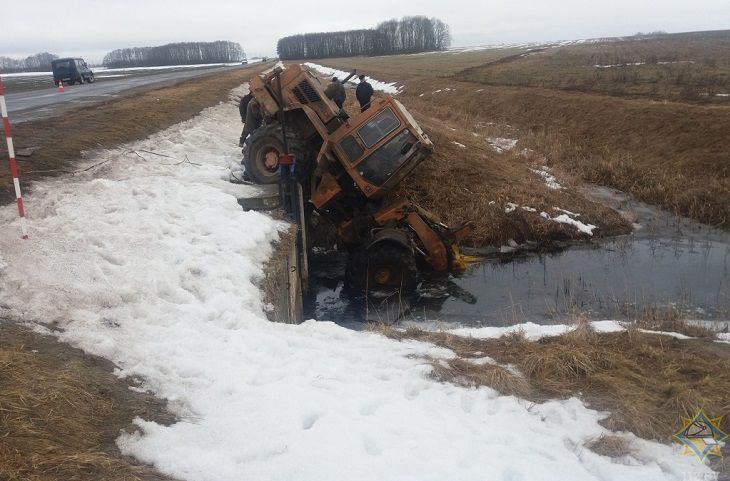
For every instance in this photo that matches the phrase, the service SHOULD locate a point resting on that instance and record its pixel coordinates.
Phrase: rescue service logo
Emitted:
(701, 436)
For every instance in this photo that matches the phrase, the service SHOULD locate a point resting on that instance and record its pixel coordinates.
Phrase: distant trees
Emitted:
(407, 35)
(40, 62)
(184, 53)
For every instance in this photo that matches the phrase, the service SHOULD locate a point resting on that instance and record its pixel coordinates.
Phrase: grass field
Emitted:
(689, 67)
(671, 152)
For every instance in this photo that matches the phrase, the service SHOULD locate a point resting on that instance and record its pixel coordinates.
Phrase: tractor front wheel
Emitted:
(382, 266)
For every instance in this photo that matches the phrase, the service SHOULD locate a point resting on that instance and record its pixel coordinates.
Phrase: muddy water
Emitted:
(667, 260)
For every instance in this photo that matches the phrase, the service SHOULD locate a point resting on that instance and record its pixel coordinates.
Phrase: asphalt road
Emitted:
(39, 104)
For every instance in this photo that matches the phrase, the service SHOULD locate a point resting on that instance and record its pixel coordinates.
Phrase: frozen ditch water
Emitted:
(667, 260)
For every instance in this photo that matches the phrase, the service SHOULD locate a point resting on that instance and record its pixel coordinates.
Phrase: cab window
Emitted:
(378, 127)
(351, 148)
(383, 163)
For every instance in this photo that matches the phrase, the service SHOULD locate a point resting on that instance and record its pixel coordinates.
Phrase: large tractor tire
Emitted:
(382, 266)
(261, 153)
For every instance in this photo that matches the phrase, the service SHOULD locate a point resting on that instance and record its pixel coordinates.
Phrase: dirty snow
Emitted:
(388, 88)
(128, 69)
(501, 144)
(151, 264)
(278, 64)
(572, 214)
(566, 219)
(511, 207)
(532, 331)
(458, 144)
(547, 177)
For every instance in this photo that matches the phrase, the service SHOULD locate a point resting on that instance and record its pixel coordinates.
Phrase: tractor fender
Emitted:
(389, 234)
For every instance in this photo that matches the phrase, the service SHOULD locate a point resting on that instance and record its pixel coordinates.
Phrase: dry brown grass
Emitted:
(666, 153)
(673, 155)
(670, 319)
(134, 116)
(61, 411)
(645, 381)
(687, 67)
(610, 445)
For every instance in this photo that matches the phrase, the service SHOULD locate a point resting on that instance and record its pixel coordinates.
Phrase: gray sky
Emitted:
(91, 28)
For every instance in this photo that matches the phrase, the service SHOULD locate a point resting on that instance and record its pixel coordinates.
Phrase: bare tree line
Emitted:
(184, 53)
(40, 62)
(407, 35)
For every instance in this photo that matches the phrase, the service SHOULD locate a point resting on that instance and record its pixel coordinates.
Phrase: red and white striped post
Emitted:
(13, 163)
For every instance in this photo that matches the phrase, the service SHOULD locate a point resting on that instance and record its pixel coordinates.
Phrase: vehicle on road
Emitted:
(71, 71)
(349, 169)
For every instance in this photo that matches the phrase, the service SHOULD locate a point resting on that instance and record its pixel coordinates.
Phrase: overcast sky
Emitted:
(90, 28)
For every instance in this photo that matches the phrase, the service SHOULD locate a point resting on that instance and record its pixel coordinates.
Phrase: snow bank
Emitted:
(549, 178)
(533, 331)
(500, 144)
(388, 88)
(152, 264)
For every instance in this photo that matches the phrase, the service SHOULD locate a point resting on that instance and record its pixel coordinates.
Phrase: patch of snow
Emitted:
(533, 331)
(278, 64)
(566, 219)
(436, 91)
(481, 361)
(458, 144)
(126, 69)
(153, 265)
(389, 88)
(479, 90)
(500, 144)
(675, 335)
(547, 177)
(529, 209)
(621, 65)
(511, 207)
(26, 74)
(722, 95)
(572, 214)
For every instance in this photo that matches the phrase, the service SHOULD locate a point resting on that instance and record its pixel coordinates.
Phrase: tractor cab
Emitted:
(381, 146)
(71, 71)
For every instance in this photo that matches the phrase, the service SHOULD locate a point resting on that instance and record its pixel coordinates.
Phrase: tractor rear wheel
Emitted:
(382, 266)
(261, 153)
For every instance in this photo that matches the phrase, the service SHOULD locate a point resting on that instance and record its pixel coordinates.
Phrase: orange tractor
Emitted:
(346, 170)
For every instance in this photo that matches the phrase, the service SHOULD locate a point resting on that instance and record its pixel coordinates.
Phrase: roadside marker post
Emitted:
(13, 163)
